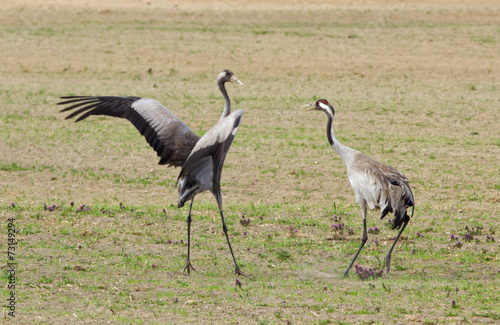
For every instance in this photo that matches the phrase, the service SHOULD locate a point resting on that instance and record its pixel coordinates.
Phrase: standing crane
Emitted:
(376, 185)
(175, 143)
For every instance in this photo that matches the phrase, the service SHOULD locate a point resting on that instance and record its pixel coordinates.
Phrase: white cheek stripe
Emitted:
(235, 130)
(324, 106)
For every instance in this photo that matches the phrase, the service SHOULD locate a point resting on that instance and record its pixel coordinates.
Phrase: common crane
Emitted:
(376, 185)
(175, 143)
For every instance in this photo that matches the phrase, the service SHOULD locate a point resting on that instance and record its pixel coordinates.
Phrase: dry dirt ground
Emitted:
(414, 84)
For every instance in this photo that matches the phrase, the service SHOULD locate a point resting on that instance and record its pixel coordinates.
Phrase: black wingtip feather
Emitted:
(75, 99)
(69, 97)
(78, 104)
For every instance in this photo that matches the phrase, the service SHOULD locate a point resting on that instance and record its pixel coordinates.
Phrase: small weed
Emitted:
(490, 237)
(474, 230)
(324, 322)
(263, 32)
(366, 273)
(468, 237)
(292, 231)
(244, 221)
(50, 207)
(283, 255)
(46, 279)
(13, 167)
(469, 234)
(338, 227)
(30, 229)
(491, 315)
(83, 208)
(485, 39)
(174, 242)
(5, 275)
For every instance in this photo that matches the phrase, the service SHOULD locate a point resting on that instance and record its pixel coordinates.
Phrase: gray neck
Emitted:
(227, 102)
(343, 151)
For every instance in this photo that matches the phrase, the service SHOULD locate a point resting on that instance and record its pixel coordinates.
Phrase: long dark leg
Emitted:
(218, 198)
(365, 236)
(388, 256)
(224, 228)
(189, 267)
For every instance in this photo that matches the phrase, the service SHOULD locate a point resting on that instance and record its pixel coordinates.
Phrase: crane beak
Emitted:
(234, 79)
(310, 105)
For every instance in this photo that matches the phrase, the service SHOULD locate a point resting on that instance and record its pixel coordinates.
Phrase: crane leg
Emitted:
(388, 256)
(224, 228)
(188, 266)
(365, 237)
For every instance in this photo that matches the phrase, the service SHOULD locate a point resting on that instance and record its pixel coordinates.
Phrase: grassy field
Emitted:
(100, 237)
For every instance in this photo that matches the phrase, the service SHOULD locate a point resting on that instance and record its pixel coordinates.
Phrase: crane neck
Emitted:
(339, 148)
(227, 102)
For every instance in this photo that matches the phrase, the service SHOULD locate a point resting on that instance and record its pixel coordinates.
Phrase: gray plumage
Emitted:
(174, 142)
(376, 185)
(202, 169)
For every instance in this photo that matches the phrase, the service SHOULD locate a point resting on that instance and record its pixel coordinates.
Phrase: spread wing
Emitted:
(169, 136)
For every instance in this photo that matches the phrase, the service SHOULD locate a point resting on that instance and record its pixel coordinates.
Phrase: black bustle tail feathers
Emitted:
(398, 201)
(401, 217)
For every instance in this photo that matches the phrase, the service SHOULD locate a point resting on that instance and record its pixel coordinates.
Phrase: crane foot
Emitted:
(237, 271)
(188, 267)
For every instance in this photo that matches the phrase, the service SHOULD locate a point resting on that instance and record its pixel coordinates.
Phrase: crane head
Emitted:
(322, 105)
(227, 75)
